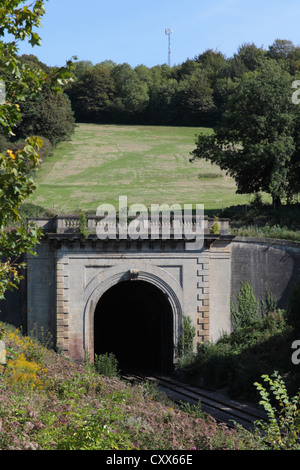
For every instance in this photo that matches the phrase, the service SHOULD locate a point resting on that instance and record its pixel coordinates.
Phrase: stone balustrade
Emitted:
(72, 224)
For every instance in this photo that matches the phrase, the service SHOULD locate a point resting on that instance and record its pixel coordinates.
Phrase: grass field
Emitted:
(147, 164)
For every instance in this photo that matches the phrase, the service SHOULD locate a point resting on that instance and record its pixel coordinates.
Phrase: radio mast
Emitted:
(168, 32)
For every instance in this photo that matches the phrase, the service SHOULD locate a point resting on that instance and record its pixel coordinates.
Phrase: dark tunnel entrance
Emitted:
(134, 320)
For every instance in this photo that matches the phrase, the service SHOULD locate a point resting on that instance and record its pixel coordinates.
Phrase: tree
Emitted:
(131, 93)
(161, 109)
(248, 58)
(16, 167)
(246, 311)
(186, 69)
(194, 100)
(48, 114)
(214, 63)
(256, 140)
(281, 49)
(286, 53)
(92, 94)
(81, 67)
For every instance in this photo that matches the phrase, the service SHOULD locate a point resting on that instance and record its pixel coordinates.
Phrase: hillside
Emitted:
(148, 164)
(49, 403)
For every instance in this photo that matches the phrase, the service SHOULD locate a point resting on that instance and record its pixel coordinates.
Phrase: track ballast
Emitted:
(217, 405)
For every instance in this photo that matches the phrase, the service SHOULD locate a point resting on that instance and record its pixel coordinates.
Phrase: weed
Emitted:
(282, 431)
(57, 404)
(106, 364)
(21, 373)
(267, 231)
(153, 392)
(186, 340)
(83, 225)
(215, 228)
(193, 410)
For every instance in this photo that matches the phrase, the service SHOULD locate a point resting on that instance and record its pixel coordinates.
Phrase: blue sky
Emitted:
(133, 31)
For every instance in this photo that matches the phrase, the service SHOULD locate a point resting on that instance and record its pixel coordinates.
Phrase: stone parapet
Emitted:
(72, 224)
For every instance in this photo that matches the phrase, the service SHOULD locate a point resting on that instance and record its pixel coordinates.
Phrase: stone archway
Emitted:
(162, 285)
(134, 320)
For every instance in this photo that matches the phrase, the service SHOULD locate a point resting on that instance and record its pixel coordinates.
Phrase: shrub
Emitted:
(76, 408)
(106, 364)
(238, 359)
(186, 341)
(4, 142)
(246, 311)
(88, 428)
(268, 304)
(281, 432)
(2, 331)
(215, 228)
(267, 231)
(275, 321)
(83, 228)
(23, 373)
(92, 434)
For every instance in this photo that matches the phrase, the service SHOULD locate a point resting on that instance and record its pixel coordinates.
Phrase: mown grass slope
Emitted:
(148, 164)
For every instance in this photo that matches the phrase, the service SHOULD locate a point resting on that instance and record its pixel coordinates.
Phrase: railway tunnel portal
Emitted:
(130, 296)
(143, 337)
(127, 297)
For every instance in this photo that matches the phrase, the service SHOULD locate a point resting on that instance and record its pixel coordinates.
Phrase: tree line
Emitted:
(257, 137)
(246, 98)
(193, 93)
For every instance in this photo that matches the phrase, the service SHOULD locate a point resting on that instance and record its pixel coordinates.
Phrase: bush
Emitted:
(267, 231)
(49, 115)
(246, 311)
(4, 142)
(29, 210)
(24, 374)
(268, 304)
(106, 364)
(215, 228)
(60, 405)
(238, 359)
(282, 431)
(186, 341)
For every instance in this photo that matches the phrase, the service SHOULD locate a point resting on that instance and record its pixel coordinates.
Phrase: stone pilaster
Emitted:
(62, 307)
(203, 307)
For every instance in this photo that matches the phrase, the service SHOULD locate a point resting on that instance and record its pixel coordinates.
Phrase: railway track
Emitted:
(217, 405)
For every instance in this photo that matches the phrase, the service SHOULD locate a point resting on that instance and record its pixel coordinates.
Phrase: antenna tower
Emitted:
(168, 32)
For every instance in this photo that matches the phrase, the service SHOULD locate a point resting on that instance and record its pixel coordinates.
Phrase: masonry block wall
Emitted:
(68, 277)
(265, 264)
(41, 290)
(62, 303)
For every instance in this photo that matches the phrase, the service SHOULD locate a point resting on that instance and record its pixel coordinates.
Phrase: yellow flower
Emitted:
(11, 154)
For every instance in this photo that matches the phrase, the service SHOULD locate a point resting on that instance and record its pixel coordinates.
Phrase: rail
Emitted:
(217, 405)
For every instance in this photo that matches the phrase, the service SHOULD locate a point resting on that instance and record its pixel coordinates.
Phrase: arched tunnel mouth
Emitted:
(134, 321)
